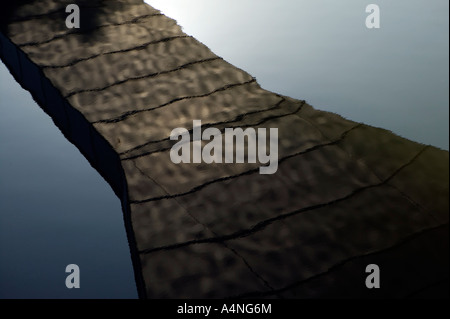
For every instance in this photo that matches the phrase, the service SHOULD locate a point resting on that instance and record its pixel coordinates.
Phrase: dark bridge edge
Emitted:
(77, 130)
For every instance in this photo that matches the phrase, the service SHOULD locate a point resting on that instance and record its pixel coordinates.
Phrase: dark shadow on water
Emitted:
(90, 12)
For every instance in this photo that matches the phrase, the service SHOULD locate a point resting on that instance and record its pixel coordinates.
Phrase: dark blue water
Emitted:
(55, 210)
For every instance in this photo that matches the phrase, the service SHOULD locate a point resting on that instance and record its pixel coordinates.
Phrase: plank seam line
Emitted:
(151, 75)
(341, 263)
(263, 224)
(85, 31)
(236, 119)
(253, 170)
(139, 47)
(134, 112)
(250, 268)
